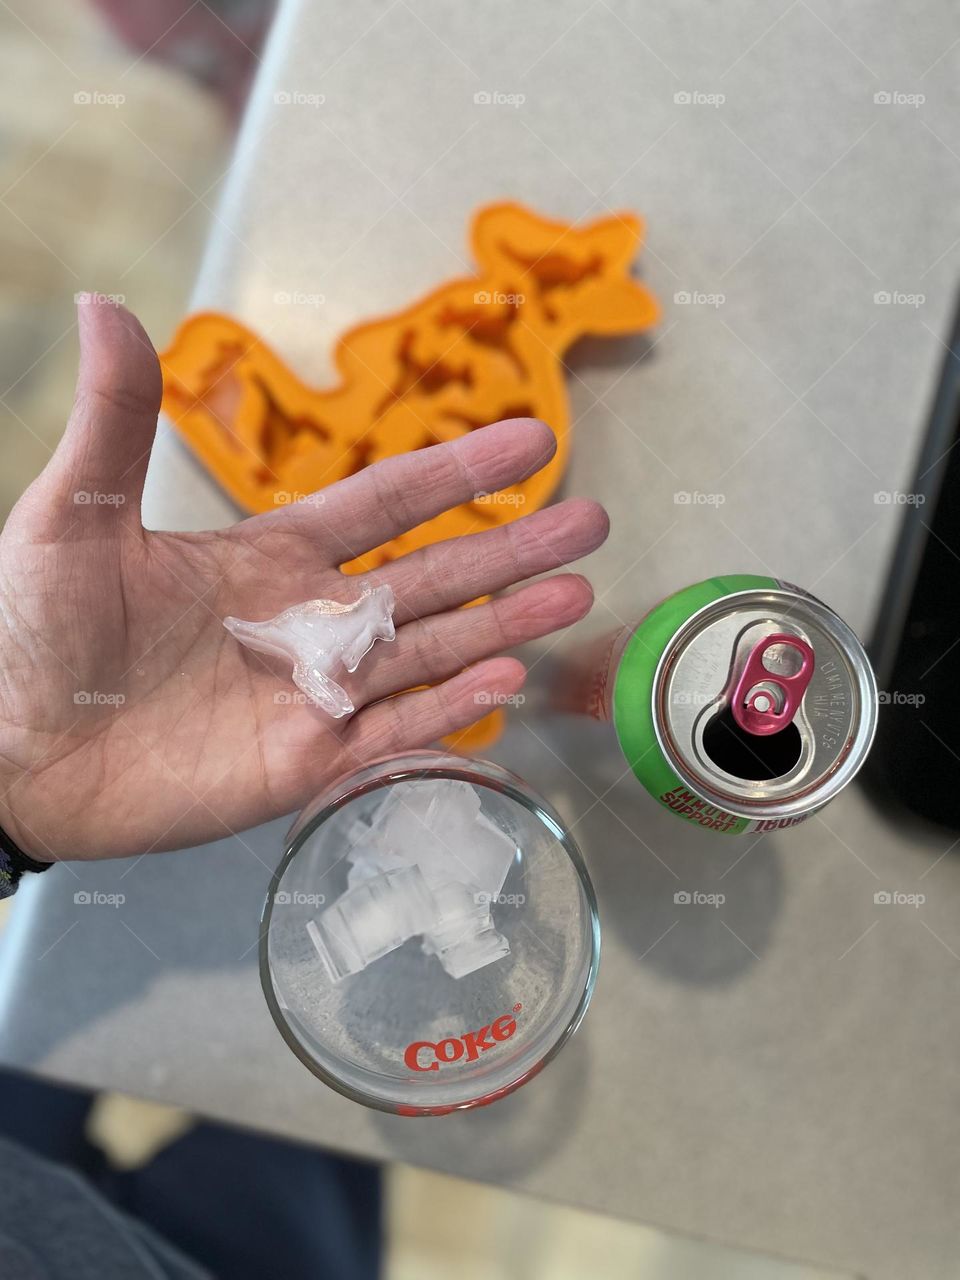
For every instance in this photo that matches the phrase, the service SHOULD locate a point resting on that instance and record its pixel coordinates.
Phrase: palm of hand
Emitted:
(130, 720)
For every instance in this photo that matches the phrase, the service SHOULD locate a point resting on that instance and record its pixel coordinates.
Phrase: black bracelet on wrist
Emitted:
(13, 863)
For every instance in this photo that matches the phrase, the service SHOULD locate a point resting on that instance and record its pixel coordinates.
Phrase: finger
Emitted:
(427, 652)
(100, 463)
(389, 497)
(417, 719)
(446, 574)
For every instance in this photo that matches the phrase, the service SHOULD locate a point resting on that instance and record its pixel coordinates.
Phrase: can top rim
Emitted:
(822, 786)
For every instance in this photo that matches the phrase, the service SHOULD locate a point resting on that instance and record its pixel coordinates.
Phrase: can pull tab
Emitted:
(771, 686)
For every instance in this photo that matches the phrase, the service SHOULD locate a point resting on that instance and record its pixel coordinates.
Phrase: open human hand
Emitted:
(131, 721)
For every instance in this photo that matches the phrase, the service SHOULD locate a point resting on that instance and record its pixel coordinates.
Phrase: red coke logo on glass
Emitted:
(427, 1055)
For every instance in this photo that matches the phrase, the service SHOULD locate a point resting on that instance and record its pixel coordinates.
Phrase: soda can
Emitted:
(741, 703)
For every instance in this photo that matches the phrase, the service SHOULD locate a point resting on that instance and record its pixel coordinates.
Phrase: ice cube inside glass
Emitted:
(430, 938)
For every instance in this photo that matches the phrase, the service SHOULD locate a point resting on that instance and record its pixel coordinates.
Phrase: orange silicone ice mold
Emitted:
(473, 351)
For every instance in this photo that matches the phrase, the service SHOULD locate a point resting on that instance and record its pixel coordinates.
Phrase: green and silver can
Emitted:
(741, 703)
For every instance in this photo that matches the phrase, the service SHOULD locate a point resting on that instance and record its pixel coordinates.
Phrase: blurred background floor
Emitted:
(111, 162)
(108, 169)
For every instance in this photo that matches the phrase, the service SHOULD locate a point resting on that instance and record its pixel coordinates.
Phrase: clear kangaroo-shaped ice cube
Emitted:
(318, 637)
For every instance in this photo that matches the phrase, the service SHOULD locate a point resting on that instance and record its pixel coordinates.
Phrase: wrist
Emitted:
(17, 833)
(15, 860)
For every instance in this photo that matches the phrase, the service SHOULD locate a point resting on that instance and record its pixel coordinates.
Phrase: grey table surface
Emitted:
(778, 1073)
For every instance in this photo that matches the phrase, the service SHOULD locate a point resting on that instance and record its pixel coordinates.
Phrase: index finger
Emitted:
(389, 497)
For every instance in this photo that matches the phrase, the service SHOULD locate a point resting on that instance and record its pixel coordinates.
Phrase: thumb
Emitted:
(102, 458)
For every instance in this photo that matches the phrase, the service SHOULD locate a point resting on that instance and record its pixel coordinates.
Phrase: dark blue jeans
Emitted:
(243, 1206)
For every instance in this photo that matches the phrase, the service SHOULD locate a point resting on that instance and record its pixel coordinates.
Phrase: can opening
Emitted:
(748, 755)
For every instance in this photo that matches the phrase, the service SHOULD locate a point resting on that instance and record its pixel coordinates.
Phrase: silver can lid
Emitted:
(798, 769)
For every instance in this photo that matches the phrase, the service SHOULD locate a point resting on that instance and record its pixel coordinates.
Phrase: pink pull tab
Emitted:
(766, 701)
